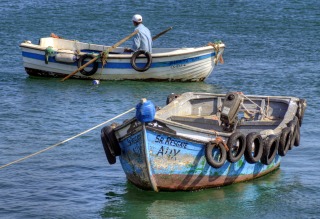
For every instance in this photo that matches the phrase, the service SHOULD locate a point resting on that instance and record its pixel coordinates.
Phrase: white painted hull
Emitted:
(181, 64)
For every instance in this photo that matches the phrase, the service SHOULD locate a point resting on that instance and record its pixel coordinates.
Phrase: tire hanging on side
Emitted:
(237, 145)
(254, 147)
(136, 55)
(94, 68)
(270, 149)
(285, 141)
(295, 128)
(215, 154)
(301, 110)
(110, 144)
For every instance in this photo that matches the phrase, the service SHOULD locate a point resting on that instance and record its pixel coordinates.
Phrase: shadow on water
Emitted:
(209, 203)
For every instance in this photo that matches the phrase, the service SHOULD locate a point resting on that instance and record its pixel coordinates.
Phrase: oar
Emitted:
(108, 50)
(163, 32)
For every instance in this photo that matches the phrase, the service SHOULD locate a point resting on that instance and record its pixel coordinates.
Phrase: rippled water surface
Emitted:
(272, 49)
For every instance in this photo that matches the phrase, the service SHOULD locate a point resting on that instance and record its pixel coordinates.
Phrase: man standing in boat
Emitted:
(142, 40)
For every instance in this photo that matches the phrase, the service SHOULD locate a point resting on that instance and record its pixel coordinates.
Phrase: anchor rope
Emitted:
(64, 141)
(261, 110)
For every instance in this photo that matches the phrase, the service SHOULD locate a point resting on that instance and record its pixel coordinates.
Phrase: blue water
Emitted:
(272, 49)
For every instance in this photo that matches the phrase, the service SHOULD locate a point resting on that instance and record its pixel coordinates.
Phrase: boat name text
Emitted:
(171, 142)
(171, 153)
(134, 139)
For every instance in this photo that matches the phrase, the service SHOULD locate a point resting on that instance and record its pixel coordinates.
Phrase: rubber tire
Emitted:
(301, 110)
(94, 68)
(297, 135)
(285, 141)
(292, 125)
(296, 131)
(134, 57)
(270, 149)
(114, 145)
(208, 154)
(256, 139)
(242, 146)
(105, 142)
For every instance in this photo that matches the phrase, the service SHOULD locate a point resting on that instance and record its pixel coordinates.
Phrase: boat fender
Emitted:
(270, 148)
(172, 97)
(254, 147)
(237, 145)
(285, 141)
(110, 144)
(94, 68)
(65, 58)
(49, 52)
(295, 128)
(301, 110)
(145, 111)
(216, 154)
(136, 55)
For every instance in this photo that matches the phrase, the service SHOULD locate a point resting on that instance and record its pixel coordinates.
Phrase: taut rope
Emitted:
(64, 141)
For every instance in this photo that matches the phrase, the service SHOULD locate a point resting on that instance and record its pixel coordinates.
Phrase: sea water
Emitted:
(272, 48)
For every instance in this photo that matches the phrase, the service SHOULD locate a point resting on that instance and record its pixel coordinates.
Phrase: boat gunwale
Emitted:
(178, 52)
(277, 130)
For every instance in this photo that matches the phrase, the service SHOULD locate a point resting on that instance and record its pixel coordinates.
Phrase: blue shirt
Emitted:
(143, 39)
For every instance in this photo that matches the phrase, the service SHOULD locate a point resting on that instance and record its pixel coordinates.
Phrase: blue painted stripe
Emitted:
(118, 65)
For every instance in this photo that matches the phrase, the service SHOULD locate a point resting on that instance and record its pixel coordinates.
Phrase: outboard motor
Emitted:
(230, 109)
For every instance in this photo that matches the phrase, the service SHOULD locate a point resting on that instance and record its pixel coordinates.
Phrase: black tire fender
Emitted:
(295, 127)
(301, 110)
(237, 145)
(292, 125)
(297, 134)
(285, 141)
(134, 57)
(254, 147)
(270, 149)
(106, 146)
(215, 160)
(110, 144)
(94, 68)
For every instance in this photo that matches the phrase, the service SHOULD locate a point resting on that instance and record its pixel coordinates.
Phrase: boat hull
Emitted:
(155, 160)
(189, 64)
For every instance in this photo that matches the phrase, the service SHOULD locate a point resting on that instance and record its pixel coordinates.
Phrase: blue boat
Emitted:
(203, 140)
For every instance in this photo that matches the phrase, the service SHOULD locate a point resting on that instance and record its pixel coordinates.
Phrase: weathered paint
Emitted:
(178, 164)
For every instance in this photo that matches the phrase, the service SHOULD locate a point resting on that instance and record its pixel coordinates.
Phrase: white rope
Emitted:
(261, 110)
(64, 141)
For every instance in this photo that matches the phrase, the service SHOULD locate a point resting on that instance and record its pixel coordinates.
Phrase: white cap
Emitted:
(137, 18)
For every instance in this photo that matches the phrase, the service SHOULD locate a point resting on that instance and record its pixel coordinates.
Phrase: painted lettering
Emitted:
(160, 151)
(169, 152)
(134, 139)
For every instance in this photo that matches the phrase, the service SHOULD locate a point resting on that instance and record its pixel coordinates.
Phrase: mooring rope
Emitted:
(64, 141)
(261, 110)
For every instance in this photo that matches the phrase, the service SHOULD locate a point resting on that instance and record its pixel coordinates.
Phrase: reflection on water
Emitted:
(209, 203)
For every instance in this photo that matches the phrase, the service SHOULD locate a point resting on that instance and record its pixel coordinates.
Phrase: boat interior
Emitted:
(69, 46)
(225, 113)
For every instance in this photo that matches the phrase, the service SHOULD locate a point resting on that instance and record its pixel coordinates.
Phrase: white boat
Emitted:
(56, 57)
(203, 140)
